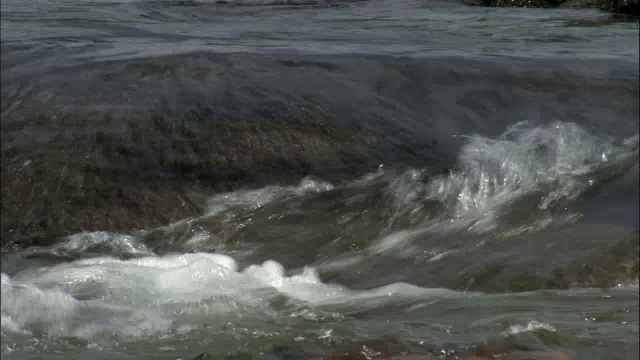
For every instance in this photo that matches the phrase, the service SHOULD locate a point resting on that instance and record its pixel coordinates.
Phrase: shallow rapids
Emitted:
(322, 265)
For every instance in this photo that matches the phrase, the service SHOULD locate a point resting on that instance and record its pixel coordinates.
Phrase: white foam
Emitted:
(530, 327)
(540, 167)
(254, 199)
(523, 160)
(24, 304)
(100, 241)
(154, 294)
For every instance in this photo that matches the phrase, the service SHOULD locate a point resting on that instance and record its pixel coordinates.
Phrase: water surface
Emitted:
(377, 178)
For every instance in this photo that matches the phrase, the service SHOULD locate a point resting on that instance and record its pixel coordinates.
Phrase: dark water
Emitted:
(383, 179)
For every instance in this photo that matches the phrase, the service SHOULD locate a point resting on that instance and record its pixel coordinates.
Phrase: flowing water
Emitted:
(318, 179)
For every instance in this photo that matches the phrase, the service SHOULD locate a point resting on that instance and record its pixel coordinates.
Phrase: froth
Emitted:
(253, 199)
(532, 326)
(151, 295)
(103, 242)
(522, 180)
(526, 158)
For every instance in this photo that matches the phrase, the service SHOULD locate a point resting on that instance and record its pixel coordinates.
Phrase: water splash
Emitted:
(153, 295)
(254, 199)
(524, 180)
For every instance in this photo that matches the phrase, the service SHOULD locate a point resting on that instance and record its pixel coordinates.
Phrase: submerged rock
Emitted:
(578, 256)
(512, 348)
(604, 266)
(127, 145)
(202, 356)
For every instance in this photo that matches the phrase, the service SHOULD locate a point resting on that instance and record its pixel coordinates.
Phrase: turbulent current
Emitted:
(424, 248)
(318, 180)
